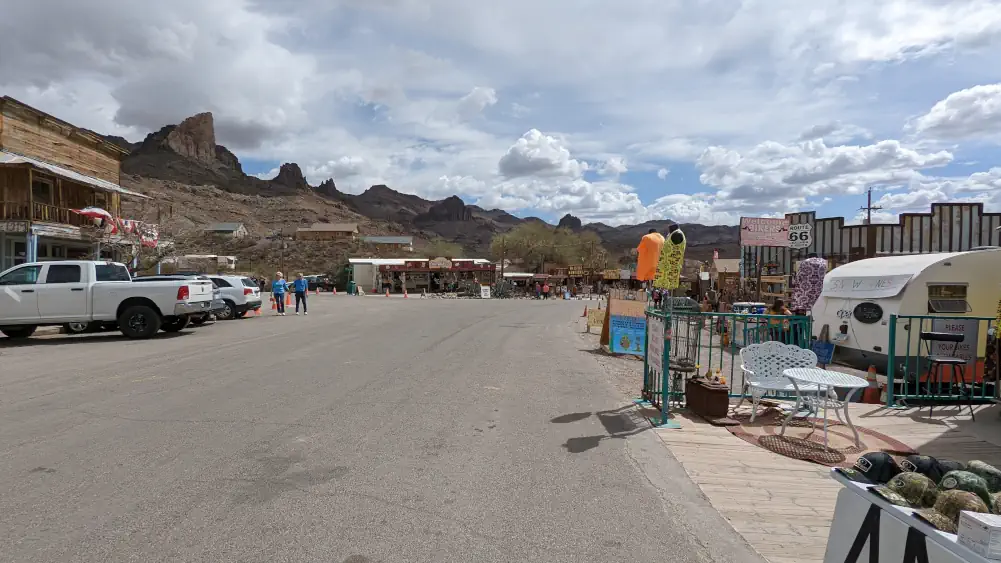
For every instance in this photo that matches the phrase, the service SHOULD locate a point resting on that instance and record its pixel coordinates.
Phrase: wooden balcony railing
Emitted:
(15, 210)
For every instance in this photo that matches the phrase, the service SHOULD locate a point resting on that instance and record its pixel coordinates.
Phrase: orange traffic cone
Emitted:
(317, 291)
(585, 312)
(334, 290)
(871, 394)
(404, 294)
(387, 293)
(274, 306)
(257, 312)
(288, 299)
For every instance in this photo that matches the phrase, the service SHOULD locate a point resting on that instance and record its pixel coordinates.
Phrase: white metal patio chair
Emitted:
(762, 365)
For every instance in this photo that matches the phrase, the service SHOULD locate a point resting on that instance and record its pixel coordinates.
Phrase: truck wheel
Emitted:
(176, 324)
(18, 332)
(139, 322)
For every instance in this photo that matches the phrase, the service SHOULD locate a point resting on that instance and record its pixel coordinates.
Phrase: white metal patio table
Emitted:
(824, 379)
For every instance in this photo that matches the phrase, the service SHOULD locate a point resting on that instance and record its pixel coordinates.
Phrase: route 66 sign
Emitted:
(801, 235)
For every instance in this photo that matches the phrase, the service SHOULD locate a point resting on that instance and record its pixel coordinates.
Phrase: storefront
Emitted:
(438, 275)
(47, 242)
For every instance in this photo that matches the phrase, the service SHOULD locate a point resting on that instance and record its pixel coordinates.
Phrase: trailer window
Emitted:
(948, 298)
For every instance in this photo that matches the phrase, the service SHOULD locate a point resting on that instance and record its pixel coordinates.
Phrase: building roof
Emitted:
(402, 261)
(333, 227)
(11, 159)
(388, 239)
(224, 227)
(89, 135)
(727, 264)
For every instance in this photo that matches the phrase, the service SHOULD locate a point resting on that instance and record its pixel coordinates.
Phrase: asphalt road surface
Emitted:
(373, 430)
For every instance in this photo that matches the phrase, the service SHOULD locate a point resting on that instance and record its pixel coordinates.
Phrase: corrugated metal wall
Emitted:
(950, 227)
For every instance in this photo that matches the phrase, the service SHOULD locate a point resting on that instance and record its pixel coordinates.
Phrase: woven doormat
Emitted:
(803, 441)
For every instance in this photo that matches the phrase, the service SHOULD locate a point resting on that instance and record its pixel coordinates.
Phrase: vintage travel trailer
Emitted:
(859, 297)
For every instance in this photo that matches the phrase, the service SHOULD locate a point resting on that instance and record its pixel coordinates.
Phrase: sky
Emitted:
(619, 112)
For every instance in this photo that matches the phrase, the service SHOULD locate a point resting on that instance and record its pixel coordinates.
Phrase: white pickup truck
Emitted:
(71, 291)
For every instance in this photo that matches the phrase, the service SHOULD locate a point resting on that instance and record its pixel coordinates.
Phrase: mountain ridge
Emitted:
(187, 154)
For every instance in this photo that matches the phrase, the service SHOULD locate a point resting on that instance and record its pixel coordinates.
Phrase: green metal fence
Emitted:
(907, 369)
(700, 343)
(656, 362)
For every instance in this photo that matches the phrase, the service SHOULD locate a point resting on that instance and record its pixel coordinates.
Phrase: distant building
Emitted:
(231, 230)
(949, 227)
(328, 232)
(395, 242)
(201, 263)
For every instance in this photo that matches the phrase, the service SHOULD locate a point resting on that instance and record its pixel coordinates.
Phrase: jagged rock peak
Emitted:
(450, 209)
(194, 138)
(570, 222)
(290, 175)
(328, 188)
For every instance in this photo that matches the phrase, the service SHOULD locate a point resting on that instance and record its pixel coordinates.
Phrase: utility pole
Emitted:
(870, 232)
(869, 208)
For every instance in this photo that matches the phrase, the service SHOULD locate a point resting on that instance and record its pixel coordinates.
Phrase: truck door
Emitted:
(18, 294)
(63, 295)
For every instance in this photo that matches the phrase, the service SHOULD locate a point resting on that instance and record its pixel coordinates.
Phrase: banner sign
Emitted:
(758, 231)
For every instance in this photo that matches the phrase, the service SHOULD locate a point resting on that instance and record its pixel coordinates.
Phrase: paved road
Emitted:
(374, 430)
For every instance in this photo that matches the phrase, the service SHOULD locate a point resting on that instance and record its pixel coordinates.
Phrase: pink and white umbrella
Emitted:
(95, 213)
(99, 215)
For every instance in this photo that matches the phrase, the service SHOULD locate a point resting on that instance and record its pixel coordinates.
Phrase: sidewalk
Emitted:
(784, 507)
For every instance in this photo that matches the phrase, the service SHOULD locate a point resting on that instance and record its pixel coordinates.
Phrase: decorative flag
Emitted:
(672, 257)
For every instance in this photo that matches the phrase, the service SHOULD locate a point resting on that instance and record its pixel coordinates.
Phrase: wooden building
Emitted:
(328, 232)
(48, 168)
(949, 227)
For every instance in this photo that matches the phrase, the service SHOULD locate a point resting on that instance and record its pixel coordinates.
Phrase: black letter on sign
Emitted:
(869, 530)
(915, 551)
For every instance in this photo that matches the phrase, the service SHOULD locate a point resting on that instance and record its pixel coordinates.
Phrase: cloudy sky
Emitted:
(692, 110)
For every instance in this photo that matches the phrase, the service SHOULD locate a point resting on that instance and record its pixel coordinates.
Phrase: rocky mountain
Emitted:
(185, 159)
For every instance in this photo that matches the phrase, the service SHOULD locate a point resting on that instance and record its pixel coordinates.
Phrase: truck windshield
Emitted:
(112, 272)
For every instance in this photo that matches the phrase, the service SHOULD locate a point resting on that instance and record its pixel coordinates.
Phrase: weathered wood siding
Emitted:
(949, 227)
(26, 133)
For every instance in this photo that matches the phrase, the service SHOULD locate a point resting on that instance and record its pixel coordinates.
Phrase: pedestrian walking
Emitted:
(301, 287)
(545, 291)
(278, 289)
(538, 290)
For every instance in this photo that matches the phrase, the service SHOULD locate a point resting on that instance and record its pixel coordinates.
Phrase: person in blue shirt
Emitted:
(278, 289)
(301, 287)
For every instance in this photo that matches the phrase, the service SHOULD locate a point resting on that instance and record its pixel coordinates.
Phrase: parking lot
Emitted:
(375, 429)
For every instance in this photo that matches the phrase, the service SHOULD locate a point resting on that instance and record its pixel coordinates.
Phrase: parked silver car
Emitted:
(240, 295)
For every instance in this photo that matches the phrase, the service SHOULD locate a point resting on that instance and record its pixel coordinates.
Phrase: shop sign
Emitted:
(440, 264)
(761, 231)
(13, 226)
(484, 292)
(575, 271)
(611, 274)
(868, 313)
